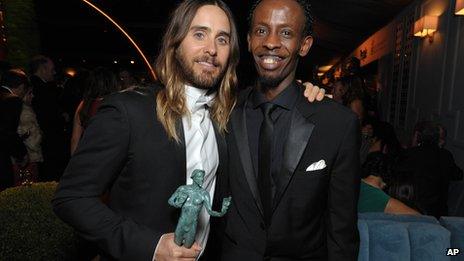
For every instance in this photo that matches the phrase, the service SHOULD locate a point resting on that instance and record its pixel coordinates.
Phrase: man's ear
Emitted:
(305, 46)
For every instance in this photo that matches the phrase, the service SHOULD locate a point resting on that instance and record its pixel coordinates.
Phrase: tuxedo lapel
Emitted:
(221, 179)
(222, 148)
(181, 152)
(241, 136)
(300, 131)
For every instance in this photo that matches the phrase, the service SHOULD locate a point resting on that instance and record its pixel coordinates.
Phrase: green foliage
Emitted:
(22, 31)
(29, 230)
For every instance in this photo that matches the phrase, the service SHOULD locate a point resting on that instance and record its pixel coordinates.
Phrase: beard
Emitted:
(268, 82)
(205, 79)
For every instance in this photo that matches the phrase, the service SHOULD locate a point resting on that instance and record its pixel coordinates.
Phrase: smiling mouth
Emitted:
(207, 64)
(270, 62)
(270, 59)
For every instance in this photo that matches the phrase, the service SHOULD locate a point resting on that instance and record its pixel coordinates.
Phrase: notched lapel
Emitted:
(222, 147)
(300, 131)
(221, 179)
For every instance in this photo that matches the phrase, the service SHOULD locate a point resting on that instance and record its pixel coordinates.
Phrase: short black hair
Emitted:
(307, 10)
(377, 164)
(428, 133)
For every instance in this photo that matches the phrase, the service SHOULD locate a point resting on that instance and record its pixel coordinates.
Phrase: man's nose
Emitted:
(272, 41)
(211, 47)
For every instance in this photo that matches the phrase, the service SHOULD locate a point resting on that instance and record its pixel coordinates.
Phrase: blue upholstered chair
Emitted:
(456, 226)
(363, 229)
(428, 241)
(401, 237)
(398, 218)
(383, 240)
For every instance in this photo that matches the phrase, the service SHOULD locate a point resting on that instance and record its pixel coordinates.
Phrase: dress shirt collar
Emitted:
(286, 99)
(198, 98)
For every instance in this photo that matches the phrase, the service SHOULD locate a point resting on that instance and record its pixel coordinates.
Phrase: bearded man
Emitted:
(143, 144)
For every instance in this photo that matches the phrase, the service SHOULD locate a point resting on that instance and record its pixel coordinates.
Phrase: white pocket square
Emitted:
(316, 166)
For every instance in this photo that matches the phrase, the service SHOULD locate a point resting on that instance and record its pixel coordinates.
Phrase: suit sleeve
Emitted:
(100, 157)
(453, 170)
(343, 237)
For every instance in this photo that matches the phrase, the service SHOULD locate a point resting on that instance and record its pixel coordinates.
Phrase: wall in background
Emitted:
(437, 77)
(421, 80)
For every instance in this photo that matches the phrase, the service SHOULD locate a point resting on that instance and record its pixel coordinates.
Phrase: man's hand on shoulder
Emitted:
(167, 250)
(313, 92)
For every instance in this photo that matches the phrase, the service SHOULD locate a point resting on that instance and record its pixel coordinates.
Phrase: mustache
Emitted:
(261, 54)
(208, 59)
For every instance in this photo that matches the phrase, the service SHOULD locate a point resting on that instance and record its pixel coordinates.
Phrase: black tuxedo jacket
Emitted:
(126, 150)
(46, 106)
(432, 168)
(314, 213)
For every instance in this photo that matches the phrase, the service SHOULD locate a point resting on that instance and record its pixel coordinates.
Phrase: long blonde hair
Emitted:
(170, 101)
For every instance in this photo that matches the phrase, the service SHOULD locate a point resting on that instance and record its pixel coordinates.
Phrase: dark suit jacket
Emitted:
(125, 149)
(11, 145)
(46, 106)
(432, 170)
(314, 213)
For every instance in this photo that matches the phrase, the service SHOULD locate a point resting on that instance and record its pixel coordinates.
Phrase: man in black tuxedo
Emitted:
(294, 165)
(143, 144)
(13, 86)
(46, 106)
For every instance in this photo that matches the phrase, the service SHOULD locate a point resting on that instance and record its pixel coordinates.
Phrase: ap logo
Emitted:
(452, 252)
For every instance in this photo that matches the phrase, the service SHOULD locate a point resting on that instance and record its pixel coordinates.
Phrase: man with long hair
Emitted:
(143, 144)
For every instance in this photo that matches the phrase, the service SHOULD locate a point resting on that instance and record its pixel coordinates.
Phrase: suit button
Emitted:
(261, 225)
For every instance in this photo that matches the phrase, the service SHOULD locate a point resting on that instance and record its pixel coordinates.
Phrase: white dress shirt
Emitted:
(201, 147)
(201, 150)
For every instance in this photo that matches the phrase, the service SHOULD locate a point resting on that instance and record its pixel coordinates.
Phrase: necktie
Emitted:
(198, 155)
(201, 129)
(265, 159)
(200, 138)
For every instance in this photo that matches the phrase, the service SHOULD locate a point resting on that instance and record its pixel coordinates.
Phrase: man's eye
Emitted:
(223, 40)
(260, 31)
(286, 33)
(199, 35)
